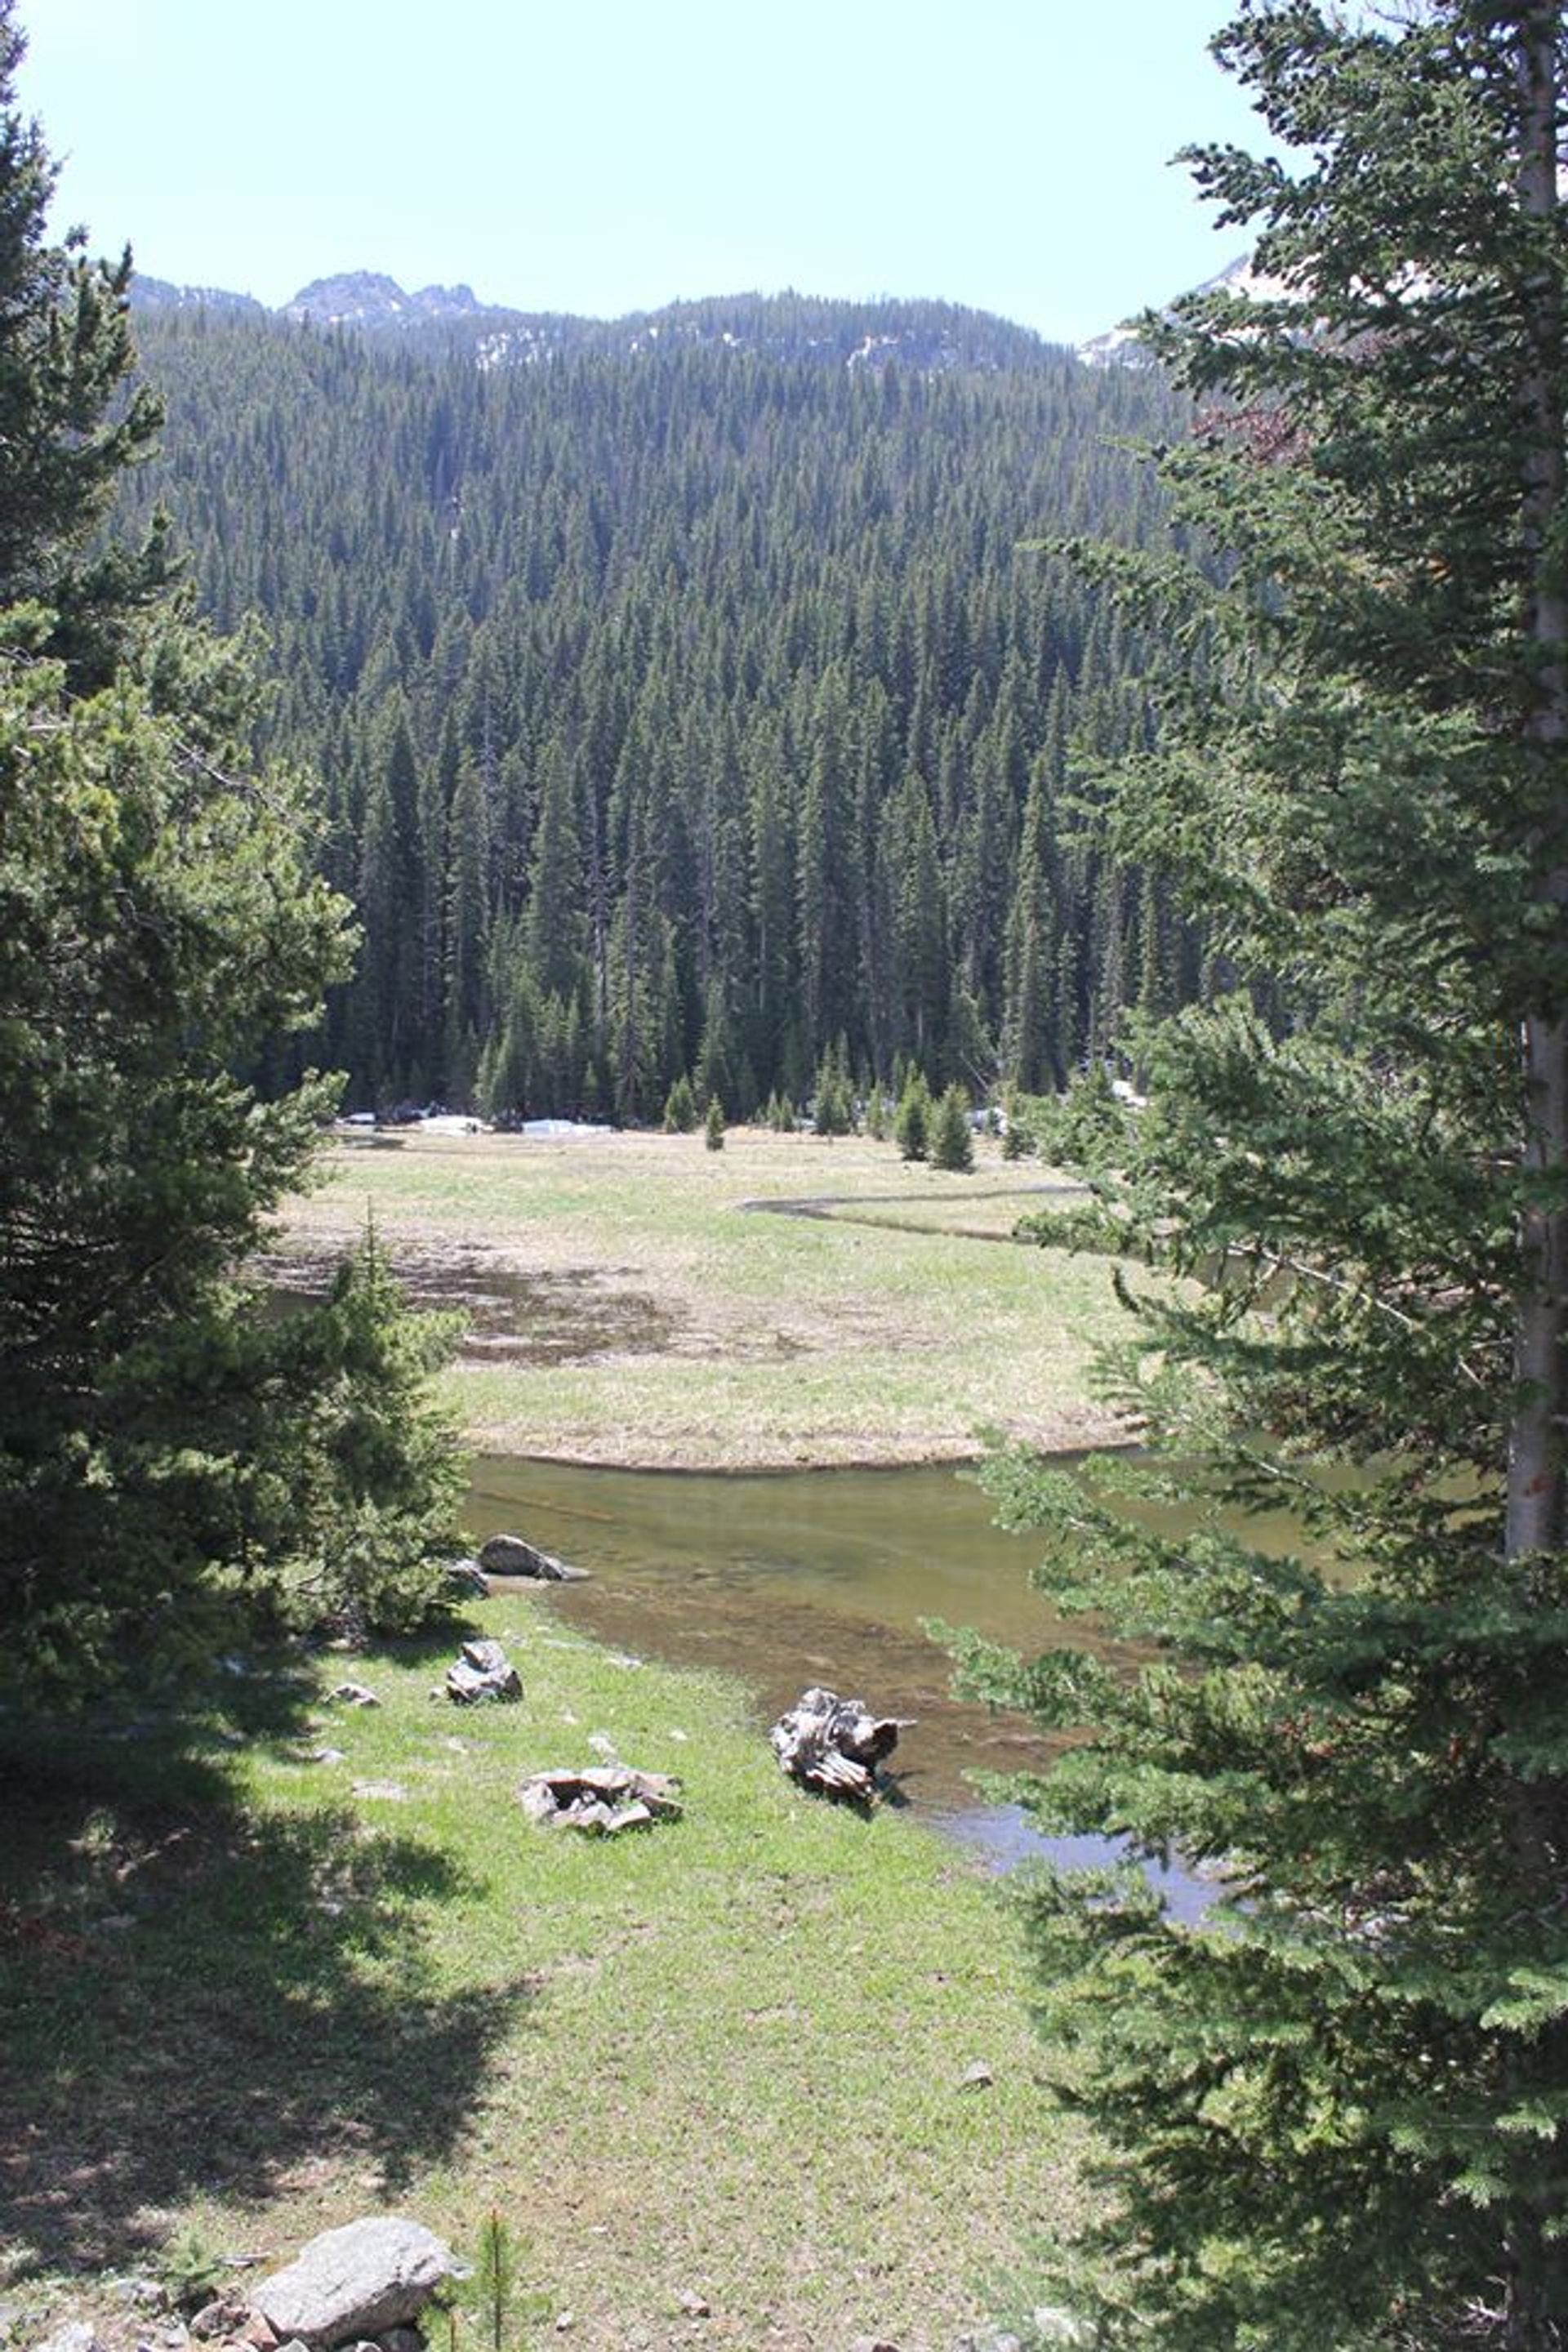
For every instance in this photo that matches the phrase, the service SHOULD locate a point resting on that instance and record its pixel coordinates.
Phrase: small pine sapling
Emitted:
(951, 1145)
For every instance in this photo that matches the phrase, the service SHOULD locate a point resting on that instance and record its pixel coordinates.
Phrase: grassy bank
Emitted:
(261, 1994)
(659, 1324)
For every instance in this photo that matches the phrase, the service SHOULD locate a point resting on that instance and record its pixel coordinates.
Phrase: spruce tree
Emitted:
(952, 1146)
(167, 1455)
(1336, 2103)
(911, 1121)
(681, 1107)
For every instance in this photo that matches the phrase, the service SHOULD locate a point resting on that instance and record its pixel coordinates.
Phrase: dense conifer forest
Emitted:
(685, 699)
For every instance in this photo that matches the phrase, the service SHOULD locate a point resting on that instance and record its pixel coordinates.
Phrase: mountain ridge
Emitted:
(871, 334)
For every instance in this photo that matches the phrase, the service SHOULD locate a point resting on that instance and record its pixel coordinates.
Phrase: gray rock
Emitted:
(355, 2281)
(601, 1800)
(353, 1694)
(225, 2314)
(75, 2335)
(141, 2294)
(468, 1576)
(510, 1556)
(483, 1672)
(402, 2339)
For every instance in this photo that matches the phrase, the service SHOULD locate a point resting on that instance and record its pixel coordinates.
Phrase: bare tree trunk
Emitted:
(1536, 1487)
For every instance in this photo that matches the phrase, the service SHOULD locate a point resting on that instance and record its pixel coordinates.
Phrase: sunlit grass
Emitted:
(781, 1340)
(724, 2056)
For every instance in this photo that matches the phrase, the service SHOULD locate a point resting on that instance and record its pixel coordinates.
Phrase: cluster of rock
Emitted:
(601, 1801)
(482, 1672)
(364, 2286)
(508, 1556)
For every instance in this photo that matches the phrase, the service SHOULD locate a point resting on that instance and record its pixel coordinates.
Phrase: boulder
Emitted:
(483, 1672)
(468, 1576)
(75, 2335)
(510, 1556)
(355, 2281)
(225, 2314)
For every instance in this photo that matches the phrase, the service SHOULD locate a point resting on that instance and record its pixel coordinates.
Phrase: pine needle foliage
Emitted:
(913, 1119)
(1337, 2104)
(952, 1145)
(169, 1455)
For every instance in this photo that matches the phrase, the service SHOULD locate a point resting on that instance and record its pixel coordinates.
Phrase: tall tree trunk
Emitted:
(1536, 2259)
(1536, 1489)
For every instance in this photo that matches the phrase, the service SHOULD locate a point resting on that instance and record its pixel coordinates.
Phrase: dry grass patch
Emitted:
(655, 1322)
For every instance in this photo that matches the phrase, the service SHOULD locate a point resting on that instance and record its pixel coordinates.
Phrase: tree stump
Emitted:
(835, 1744)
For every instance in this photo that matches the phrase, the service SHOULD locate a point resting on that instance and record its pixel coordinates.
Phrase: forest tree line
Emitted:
(687, 708)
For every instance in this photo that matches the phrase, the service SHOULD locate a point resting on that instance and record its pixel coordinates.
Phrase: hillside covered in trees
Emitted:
(684, 696)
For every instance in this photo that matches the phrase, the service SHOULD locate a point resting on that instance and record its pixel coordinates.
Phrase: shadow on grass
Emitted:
(200, 2001)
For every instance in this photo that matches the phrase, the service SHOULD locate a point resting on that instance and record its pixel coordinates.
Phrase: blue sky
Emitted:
(618, 154)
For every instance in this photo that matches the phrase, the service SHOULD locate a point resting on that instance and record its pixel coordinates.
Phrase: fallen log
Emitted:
(835, 1744)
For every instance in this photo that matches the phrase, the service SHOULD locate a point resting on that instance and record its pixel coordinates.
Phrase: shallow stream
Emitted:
(800, 1577)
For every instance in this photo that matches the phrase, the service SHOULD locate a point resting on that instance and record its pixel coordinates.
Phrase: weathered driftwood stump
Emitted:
(835, 1744)
(603, 1800)
(483, 1672)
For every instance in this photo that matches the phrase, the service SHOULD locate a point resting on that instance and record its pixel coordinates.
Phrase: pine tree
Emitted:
(911, 1121)
(66, 427)
(952, 1146)
(1339, 2103)
(166, 1454)
(553, 925)
(681, 1107)
(834, 1102)
(465, 926)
